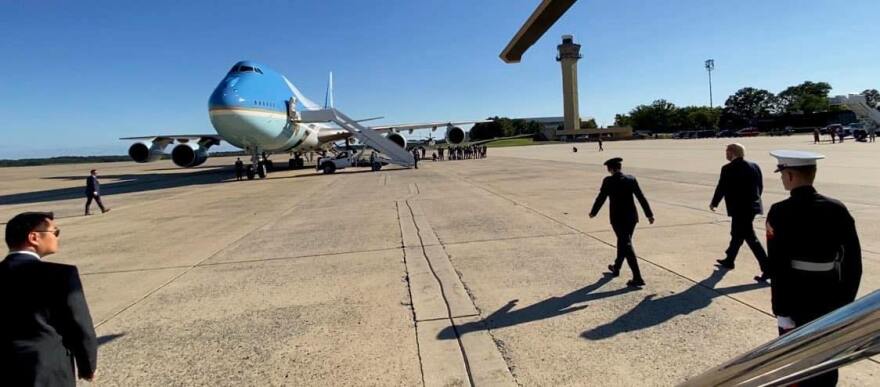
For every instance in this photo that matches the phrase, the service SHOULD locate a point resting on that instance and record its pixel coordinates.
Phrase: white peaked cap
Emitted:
(794, 158)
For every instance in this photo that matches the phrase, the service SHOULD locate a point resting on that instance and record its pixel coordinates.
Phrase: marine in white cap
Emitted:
(814, 254)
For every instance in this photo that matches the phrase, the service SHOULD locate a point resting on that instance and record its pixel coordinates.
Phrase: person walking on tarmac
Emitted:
(415, 153)
(621, 188)
(741, 185)
(816, 136)
(814, 253)
(239, 168)
(600, 143)
(93, 192)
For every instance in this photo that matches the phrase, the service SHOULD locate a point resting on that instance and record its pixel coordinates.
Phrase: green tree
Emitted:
(589, 124)
(622, 120)
(659, 116)
(808, 97)
(748, 104)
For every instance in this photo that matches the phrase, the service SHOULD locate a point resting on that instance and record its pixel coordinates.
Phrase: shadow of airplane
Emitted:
(650, 311)
(127, 183)
(108, 338)
(551, 307)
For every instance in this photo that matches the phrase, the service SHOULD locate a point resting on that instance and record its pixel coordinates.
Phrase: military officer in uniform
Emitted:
(814, 254)
(621, 188)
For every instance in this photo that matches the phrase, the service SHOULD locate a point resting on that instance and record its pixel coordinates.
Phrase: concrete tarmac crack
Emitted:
(409, 291)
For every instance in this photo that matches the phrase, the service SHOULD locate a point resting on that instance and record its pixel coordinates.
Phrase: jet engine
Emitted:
(398, 139)
(144, 152)
(455, 135)
(189, 155)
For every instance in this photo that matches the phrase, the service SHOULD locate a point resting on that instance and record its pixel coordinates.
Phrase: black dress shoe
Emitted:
(725, 263)
(762, 278)
(614, 272)
(635, 283)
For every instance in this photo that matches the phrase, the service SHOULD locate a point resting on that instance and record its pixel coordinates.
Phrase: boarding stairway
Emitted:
(395, 154)
(859, 106)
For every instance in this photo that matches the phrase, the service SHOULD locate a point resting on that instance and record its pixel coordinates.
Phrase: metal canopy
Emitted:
(547, 13)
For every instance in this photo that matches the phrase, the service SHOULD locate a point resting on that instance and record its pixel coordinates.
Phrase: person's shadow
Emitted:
(551, 307)
(108, 338)
(651, 311)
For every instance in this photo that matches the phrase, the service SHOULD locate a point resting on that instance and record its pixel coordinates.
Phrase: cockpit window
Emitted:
(245, 69)
(258, 70)
(233, 69)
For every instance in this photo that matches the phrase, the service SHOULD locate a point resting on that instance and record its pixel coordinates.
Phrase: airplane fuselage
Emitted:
(249, 110)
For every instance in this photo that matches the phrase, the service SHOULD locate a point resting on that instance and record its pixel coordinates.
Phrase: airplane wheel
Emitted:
(250, 173)
(329, 168)
(376, 166)
(269, 165)
(261, 170)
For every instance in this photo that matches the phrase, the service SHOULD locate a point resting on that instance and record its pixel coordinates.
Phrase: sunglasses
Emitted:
(57, 231)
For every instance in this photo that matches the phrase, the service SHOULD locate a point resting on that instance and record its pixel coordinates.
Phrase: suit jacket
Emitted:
(92, 186)
(741, 185)
(46, 326)
(621, 188)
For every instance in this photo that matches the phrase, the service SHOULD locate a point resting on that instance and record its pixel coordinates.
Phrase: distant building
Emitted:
(553, 129)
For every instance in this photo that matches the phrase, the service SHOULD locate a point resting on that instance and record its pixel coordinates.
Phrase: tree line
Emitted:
(507, 127)
(746, 107)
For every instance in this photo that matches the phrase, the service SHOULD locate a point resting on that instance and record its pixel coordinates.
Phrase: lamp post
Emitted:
(710, 65)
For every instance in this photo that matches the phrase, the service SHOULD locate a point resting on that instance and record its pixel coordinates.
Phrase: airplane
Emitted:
(256, 109)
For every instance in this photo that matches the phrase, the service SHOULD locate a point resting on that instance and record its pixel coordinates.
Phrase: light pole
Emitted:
(710, 65)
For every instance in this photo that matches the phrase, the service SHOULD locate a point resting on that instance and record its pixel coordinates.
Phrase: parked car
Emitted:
(748, 132)
(781, 132)
(705, 133)
(726, 133)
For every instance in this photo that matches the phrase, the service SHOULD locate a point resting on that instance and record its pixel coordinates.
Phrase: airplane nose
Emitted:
(227, 93)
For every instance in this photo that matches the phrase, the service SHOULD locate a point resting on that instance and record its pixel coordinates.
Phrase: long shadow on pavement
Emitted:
(551, 307)
(128, 183)
(650, 311)
(108, 338)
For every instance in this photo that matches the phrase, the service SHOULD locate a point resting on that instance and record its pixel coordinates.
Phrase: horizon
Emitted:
(82, 75)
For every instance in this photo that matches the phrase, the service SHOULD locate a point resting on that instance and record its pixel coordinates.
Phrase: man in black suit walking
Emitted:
(93, 191)
(46, 327)
(621, 188)
(741, 185)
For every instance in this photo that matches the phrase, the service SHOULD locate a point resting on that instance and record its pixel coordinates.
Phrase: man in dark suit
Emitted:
(46, 328)
(741, 185)
(93, 191)
(621, 188)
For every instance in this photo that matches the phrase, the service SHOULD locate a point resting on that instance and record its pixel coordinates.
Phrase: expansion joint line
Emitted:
(464, 356)
(412, 308)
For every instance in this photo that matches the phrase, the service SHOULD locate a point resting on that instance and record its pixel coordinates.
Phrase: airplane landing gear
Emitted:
(258, 166)
(297, 161)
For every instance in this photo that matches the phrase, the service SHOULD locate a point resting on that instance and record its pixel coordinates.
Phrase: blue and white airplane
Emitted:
(255, 108)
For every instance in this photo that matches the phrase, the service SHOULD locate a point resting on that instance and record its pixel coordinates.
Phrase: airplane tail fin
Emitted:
(328, 97)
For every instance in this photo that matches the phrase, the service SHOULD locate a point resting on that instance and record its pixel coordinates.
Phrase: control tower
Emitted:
(569, 53)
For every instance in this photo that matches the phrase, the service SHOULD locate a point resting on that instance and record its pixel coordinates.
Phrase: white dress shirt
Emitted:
(26, 252)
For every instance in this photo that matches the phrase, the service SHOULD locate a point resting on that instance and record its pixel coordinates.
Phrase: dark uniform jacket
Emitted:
(741, 185)
(621, 189)
(45, 326)
(809, 227)
(92, 186)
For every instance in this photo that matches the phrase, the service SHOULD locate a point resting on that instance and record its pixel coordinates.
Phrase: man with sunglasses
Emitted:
(46, 327)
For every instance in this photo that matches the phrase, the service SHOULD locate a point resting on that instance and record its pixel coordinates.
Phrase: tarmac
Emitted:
(471, 272)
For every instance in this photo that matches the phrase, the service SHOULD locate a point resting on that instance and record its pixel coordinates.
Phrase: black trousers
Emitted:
(742, 230)
(625, 249)
(97, 199)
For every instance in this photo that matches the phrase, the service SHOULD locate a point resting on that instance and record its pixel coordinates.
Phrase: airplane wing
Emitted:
(424, 125)
(204, 139)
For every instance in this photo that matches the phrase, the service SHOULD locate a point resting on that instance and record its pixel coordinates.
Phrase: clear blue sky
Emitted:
(75, 76)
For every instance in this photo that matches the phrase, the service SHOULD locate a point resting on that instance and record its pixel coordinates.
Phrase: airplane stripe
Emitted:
(247, 111)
